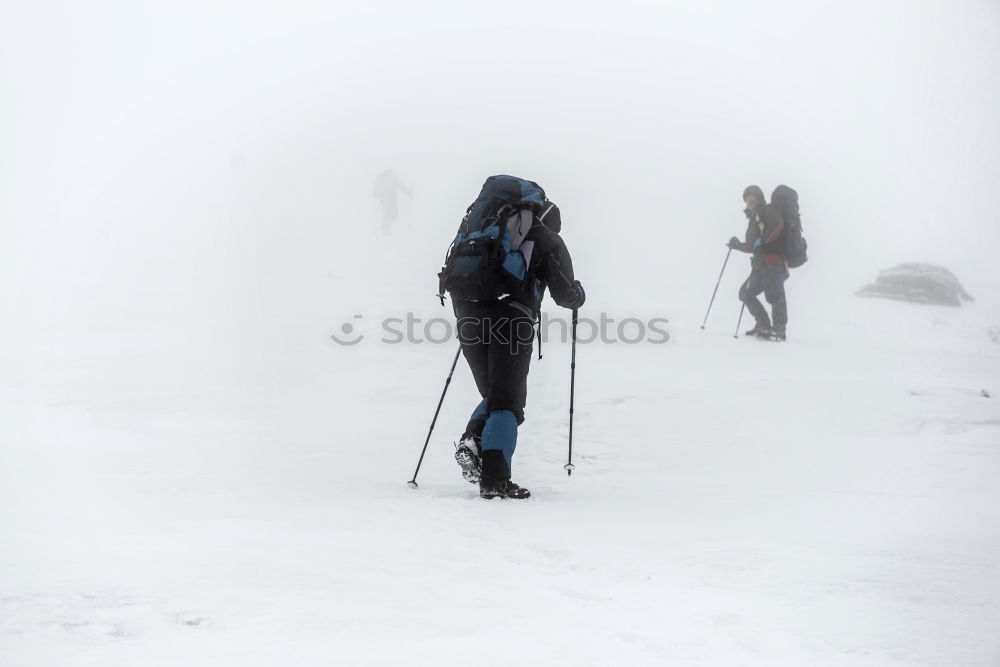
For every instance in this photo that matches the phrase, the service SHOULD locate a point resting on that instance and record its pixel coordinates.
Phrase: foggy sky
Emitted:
(146, 144)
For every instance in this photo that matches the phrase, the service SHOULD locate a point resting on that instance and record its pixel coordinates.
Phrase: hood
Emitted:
(550, 216)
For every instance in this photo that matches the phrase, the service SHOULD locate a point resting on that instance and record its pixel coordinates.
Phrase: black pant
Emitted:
(496, 341)
(769, 279)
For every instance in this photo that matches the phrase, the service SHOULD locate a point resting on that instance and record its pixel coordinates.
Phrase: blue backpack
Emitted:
(489, 256)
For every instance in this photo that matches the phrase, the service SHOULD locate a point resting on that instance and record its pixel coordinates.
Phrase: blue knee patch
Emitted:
(480, 413)
(501, 433)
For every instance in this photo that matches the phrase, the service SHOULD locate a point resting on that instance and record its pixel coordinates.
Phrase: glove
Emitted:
(583, 295)
(734, 243)
(756, 245)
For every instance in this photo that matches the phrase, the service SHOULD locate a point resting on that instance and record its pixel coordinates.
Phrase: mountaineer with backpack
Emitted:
(765, 240)
(506, 253)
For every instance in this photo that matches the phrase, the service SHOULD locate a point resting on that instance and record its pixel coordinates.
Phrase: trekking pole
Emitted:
(413, 482)
(716, 287)
(569, 467)
(737, 334)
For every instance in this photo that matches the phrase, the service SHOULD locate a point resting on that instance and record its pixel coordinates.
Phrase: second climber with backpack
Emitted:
(765, 240)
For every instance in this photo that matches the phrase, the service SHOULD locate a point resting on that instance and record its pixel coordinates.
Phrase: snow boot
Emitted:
(779, 313)
(772, 333)
(467, 456)
(494, 481)
(758, 329)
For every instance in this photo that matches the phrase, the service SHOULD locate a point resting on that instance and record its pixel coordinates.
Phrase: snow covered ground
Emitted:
(192, 495)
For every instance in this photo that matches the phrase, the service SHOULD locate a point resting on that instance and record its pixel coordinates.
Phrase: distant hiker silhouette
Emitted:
(387, 188)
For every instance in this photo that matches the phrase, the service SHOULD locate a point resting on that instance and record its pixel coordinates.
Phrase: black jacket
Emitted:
(550, 267)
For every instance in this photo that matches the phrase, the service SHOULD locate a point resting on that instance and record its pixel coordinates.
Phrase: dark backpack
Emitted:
(489, 256)
(786, 201)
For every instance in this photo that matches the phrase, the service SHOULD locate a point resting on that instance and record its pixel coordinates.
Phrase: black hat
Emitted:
(756, 192)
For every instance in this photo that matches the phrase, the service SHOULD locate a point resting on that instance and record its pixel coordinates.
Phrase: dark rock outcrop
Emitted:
(919, 283)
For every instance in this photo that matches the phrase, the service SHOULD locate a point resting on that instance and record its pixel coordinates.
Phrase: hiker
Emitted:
(387, 187)
(768, 269)
(495, 323)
